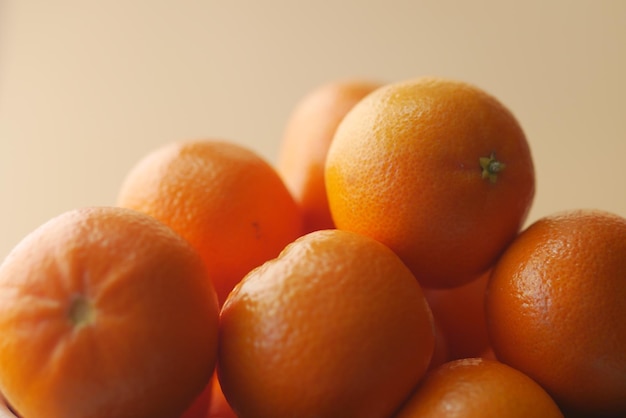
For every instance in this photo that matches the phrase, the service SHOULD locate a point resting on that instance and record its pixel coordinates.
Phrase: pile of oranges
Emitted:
(381, 268)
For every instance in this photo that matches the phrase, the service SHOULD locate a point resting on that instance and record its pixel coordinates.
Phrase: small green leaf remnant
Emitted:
(491, 167)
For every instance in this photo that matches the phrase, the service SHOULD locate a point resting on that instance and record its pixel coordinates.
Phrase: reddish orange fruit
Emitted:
(460, 314)
(307, 137)
(438, 170)
(223, 198)
(477, 388)
(556, 311)
(315, 331)
(105, 312)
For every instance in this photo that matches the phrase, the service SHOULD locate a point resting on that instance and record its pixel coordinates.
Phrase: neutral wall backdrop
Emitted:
(88, 87)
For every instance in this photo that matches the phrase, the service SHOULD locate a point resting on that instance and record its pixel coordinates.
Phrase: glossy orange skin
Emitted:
(315, 332)
(460, 314)
(305, 142)
(478, 388)
(105, 312)
(222, 197)
(556, 311)
(404, 167)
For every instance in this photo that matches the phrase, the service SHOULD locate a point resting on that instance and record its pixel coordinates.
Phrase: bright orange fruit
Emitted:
(478, 388)
(336, 326)
(223, 198)
(307, 137)
(438, 170)
(556, 311)
(105, 312)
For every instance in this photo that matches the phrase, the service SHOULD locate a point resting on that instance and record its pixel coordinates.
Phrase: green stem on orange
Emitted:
(491, 167)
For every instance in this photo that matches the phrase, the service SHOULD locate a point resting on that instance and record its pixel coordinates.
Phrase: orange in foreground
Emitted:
(477, 388)
(307, 137)
(336, 326)
(227, 201)
(436, 169)
(105, 312)
(556, 311)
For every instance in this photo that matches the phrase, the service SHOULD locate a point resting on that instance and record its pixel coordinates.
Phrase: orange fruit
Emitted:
(105, 312)
(306, 139)
(460, 314)
(436, 169)
(315, 331)
(478, 388)
(227, 201)
(556, 311)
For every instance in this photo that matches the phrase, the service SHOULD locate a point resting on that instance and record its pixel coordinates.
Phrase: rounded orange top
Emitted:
(336, 326)
(438, 170)
(307, 137)
(105, 312)
(556, 311)
(227, 201)
(478, 388)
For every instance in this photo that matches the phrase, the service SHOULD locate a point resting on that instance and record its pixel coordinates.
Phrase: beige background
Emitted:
(88, 87)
